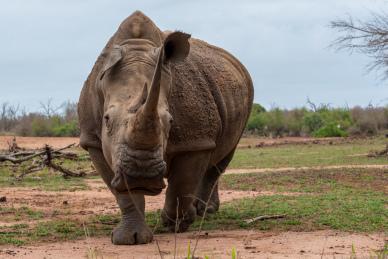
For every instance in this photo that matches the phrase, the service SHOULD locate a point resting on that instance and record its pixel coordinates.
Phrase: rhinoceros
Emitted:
(162, 105)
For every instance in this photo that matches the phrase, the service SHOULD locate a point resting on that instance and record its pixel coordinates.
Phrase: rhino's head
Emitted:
(134, 83)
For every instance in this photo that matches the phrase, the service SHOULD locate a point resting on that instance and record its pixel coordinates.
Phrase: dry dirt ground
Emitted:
(216, 244)
(37, 142)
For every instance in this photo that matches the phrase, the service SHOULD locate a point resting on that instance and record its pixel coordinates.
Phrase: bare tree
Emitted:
(8, 116)
(49, 109)
(370, 38)
(70, 111)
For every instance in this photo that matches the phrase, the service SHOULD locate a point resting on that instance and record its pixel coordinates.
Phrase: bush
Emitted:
(312, 122)
(294, 122)
(275, 122)
(256, 123)
(69, 129)
(330, 130)
(40, 127)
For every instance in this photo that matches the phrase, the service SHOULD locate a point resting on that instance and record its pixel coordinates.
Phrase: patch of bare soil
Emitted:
(252, 142)
(216, 244)
(302, 168)
(37, 142)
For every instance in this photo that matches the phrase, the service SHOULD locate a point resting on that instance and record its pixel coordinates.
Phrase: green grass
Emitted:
(343, 199)
(45, 180)
(22, 213)
(52, 231)
(315, 181)
(341, 210)
(297, 155)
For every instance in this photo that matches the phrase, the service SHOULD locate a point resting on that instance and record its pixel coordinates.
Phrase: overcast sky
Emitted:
(48, 47)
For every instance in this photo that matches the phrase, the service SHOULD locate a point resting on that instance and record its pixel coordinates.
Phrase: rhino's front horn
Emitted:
(151, 105)
(146, 130)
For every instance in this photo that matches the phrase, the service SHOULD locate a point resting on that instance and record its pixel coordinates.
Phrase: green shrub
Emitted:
(275, 122)
(294, 121)
(330, 130)
(256, 123)
(312, 121)
(40, 127)
(69, 129)
(257, 108)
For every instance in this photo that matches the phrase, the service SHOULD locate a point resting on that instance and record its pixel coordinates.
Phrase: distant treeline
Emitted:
(313, 120)
(60, 121)
(318, 121)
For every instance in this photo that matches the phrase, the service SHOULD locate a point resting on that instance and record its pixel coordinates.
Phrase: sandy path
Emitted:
(216, 244)
(307, 168)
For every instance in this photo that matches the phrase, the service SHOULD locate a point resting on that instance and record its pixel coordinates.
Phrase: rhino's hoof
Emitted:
(180, 224)
(131, 234)
(211, 208)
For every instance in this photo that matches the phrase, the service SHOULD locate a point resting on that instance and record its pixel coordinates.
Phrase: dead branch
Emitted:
(42, 158)
(14, 160)
(49, 163)
(264, 217)
(367, 37)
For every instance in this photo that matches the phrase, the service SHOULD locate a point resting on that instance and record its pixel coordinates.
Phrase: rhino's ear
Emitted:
(113, 57)
(176, 46)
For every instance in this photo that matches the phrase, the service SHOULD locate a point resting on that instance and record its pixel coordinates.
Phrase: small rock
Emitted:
(65, 203)
(3, 199)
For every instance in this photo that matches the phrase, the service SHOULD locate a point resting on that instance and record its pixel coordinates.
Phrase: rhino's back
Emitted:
(210, 100)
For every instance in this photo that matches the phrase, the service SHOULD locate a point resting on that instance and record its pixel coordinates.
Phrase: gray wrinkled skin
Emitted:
(161, 105)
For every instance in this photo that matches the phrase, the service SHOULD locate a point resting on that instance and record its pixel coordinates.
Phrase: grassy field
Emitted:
(298, 155)
(343, 199)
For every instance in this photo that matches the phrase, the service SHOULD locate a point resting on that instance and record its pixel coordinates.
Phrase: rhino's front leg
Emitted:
(186, 173)
(132, 228)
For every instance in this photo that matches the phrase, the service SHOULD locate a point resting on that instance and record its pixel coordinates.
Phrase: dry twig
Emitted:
(264, 217)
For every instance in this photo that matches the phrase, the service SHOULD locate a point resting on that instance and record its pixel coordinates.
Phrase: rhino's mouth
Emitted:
(147, 186)
(146, 191)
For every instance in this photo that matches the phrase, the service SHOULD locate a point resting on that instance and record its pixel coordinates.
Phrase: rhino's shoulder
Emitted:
(197, 122)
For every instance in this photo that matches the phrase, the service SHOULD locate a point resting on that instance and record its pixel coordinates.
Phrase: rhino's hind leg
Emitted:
(132, 228)
(186, 172)
(208, 191)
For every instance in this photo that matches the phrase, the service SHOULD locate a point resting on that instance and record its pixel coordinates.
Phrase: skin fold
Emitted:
(162, 107)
